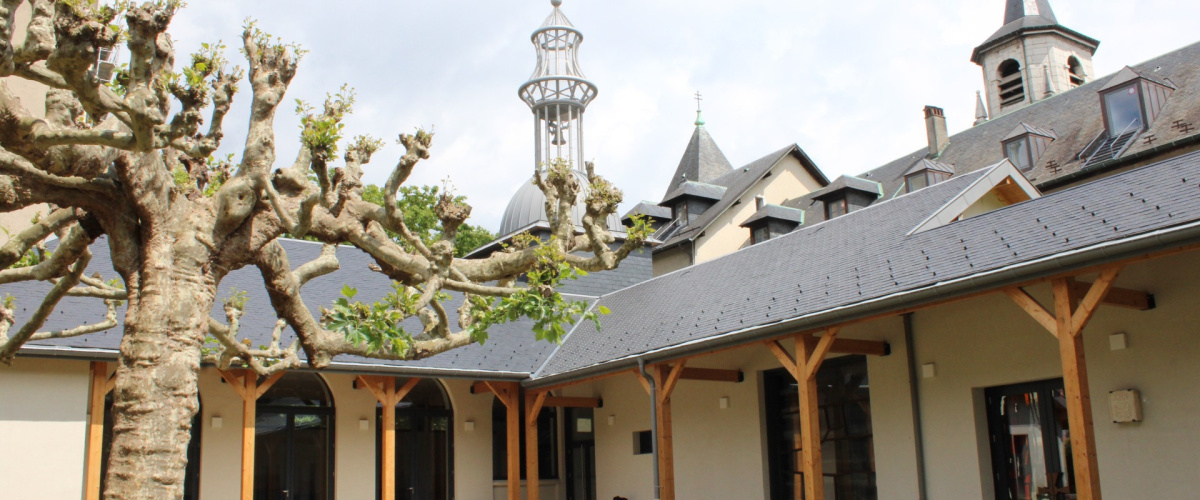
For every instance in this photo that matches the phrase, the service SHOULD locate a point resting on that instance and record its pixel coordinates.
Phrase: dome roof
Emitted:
(528, 206)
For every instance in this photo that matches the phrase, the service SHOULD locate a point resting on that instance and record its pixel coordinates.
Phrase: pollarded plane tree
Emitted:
(133, 161)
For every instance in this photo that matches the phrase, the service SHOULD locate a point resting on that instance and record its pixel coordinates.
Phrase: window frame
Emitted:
(754, 233)
(1023, 138)
(838, 201)
(547, 462)
(1141, 100)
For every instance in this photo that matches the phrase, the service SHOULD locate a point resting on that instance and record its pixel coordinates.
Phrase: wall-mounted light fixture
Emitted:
(364, 424)
(612, 420)
(1118, 341)
(723, 402)
(928, 370)
(217, 422)
(469, 426)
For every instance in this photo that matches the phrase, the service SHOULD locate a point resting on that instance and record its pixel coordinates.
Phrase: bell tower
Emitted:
(1032, 57)
(557, 92)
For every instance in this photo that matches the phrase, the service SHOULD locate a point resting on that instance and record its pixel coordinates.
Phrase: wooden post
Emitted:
(388, 462)
(533, 407)
(246, 385)
(509, 394)
(95, 430)
(385, 391)
(1079, 400)
(665, 379)
(249, 416)
(810, 353)
(1067, 324)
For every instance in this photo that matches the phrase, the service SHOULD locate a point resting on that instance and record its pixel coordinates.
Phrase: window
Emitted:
(847, 445)
(293, 448)
(835, 207)
(760, 234)
(1123, 110)
(1017, 151)
(643, 443)
(547, 442)
(681, 212)
(916, 181)
(1031, 440)
(1011, 85)
(1075, 68)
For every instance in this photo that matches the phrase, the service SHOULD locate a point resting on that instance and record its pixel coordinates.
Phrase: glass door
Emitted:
(581, 454)
(293, 455)
(1031, 441)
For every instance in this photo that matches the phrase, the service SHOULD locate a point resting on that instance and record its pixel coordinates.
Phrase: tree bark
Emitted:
(156, 392)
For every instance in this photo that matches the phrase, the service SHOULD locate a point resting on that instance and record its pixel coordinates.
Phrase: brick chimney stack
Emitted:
(935, 129)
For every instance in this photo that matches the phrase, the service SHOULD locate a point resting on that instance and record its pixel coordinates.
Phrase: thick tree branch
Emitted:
(110, 321)
(22, 242)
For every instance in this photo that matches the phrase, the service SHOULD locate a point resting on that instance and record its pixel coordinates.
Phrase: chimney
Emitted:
(759, 201)
(935, 129)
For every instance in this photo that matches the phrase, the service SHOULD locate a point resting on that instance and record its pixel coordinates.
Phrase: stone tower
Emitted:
(1032, 57)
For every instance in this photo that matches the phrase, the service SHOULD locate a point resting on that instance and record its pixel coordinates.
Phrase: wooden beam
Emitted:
(864, 347)
(402, 391)
(266, 384)
(480, 387)
(387, 472)
(512, 395)
(810, 423)
(645, 384)
(249, 415)
(373, 384)
(95, 430)
(666, 435)
(533, 406)
(235, 382)
(782, 355)
(672, 378)
(1118, 297)
(1033, 308)
(1089, 303)
(111, 384)
(565, 402)
(1075, 381)
(819, 353)
(712, 375)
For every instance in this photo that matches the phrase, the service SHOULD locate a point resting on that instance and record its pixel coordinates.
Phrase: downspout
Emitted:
(653, 423)
(914, 392)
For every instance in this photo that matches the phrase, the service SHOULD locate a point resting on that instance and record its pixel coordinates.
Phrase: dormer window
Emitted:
(1025, 145)
(691, 199)
(847, 194)
(835, 207)
(926, 173)
(1123, 110)
(771, 221)
(680, 212)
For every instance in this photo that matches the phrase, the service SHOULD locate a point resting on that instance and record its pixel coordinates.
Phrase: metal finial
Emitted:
(699, 118)
(556, 3)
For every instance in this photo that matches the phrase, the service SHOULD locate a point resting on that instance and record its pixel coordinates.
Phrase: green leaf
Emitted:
(349, 291)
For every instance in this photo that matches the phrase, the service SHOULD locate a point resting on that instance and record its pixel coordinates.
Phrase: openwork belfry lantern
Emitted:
(557, 92)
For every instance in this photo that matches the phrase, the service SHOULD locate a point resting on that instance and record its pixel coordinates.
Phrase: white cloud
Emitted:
(844, 80)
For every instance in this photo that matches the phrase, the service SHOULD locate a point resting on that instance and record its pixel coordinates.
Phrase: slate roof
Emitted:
(648, 208)
(849, 182)
(777, 212)
(702, 161)
(865, 256)
(1025, 128)
(1074, 116)
(695, 189)
(511, 349)
(736, 184)
(926, 164)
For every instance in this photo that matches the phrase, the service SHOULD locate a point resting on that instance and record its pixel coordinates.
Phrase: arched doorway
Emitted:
(293, 451)
(424, 444)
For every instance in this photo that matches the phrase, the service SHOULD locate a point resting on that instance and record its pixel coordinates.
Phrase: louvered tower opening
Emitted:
(1012, 86)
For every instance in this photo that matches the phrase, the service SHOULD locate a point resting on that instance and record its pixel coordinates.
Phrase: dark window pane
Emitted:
(1124, 110)
(297, 389)
(1018, 153)
(915, 181)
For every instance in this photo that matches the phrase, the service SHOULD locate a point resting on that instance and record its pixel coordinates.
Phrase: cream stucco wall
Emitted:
(672, 260)
(788, 180)
(721, 453)
(988, 341)
(43, 425)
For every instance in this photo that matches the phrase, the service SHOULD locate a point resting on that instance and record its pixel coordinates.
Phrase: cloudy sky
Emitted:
(844, 80)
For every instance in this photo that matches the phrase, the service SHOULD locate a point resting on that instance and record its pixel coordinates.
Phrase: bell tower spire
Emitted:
(557, 92)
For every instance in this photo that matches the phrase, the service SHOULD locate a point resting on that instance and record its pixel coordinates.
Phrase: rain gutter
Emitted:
(1053, 265)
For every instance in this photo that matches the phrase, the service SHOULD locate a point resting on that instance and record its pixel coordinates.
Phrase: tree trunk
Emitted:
(156, 392)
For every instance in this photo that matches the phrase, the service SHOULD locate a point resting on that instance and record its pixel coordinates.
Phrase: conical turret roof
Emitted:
(702, 161)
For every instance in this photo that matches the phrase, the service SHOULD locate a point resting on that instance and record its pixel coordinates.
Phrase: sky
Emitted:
(846, 81)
